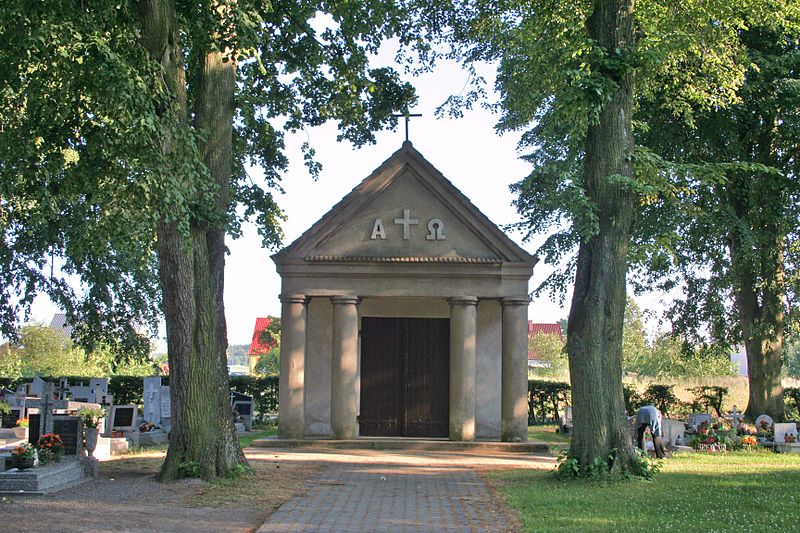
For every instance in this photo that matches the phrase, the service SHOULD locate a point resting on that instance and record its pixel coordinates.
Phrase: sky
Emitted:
(467, 150)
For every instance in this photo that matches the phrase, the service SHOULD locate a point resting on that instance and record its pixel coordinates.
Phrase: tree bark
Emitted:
(759, 289)
(203, 441)
(594, 330)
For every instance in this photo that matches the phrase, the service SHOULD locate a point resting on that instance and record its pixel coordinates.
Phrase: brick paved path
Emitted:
(354, 497)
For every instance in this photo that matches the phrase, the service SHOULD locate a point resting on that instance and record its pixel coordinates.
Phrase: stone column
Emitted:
(291, 405)
(514, 425)
(344, 367)
(463, 327)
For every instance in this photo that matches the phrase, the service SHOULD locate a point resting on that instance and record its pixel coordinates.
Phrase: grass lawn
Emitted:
(547, 433)
(739, 491)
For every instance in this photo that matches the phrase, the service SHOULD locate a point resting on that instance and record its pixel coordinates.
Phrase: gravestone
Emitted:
(123, 417)
(34, 425)
(165, 401)
(152, 399)
(783, 429)
(80, 393)
(69, 428)
(762, 420)
(98, 388)
(36, 387)
(242, 405)
(696, 419)
(673, 431)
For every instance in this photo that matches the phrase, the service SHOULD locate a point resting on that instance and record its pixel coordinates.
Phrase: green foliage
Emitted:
(189, 469)
(545, 400)
(662, 397)
(633, 400)
(791, 400)
(671, 356)
(4, 408)
(269, 364)
(706, 398)
(91, 416)
(600, 469)
(724, 232)
(43, 351)
(548, 349)
(94, 152)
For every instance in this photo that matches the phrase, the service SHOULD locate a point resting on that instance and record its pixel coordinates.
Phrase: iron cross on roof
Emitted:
(407, 116)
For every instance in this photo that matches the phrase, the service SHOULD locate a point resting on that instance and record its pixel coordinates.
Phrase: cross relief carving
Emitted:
(435, 227)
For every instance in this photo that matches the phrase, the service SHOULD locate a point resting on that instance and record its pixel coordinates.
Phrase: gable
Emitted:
(406, 211)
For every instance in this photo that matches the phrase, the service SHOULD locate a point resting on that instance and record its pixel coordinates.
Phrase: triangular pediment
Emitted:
(406, 211)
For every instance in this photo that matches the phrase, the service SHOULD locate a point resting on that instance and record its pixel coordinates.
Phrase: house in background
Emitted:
(534, 359)
(257, 346)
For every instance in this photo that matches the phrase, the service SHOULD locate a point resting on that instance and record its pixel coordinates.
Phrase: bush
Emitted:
(708, 397)
(545, 399)
(662, 397)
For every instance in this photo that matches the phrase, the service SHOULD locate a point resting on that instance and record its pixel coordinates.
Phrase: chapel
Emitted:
(404, 314)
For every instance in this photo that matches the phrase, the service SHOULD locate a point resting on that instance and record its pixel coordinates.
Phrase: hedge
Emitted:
(546, 399)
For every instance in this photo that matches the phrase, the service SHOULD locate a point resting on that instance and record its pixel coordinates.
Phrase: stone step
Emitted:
(43, 479)
(369, 443)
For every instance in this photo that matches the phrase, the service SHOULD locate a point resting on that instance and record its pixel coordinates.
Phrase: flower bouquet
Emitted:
(50, 447)
(23, 456)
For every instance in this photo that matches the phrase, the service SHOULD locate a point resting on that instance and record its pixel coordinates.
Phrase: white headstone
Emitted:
(37, 387)
(673, 431)
(165, 402)
(152, 399)
(698, 418)
(783, 429)
(761, 419)
(98, 387)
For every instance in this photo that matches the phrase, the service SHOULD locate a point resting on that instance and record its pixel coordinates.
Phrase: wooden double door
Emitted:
(405, 377)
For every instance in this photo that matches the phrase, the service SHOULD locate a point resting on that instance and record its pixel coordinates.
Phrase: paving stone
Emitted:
(389, 498)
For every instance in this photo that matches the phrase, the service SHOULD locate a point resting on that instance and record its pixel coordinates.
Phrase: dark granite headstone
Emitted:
(69, 428)
(9, 420)
(123, 417)
(33, 428)
(243, 408)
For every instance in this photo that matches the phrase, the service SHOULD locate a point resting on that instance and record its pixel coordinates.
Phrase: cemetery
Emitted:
(54, 434)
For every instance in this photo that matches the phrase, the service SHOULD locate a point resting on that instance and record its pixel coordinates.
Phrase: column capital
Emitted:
(293, 298)
(345, 300)
(515, 300)
(463, 300)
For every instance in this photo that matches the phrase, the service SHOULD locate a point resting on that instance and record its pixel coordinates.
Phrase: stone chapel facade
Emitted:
(404, 314)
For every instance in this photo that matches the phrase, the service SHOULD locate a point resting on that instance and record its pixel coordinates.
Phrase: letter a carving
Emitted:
(377, 230)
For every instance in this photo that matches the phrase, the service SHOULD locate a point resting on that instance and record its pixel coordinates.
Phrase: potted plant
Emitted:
(91, 417)
(50, 447)
(23, 456)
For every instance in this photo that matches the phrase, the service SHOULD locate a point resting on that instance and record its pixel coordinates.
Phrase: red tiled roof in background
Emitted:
(547, 329)
(256, 346)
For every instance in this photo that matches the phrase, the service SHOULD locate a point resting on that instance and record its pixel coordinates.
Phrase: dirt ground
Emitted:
(126, 496)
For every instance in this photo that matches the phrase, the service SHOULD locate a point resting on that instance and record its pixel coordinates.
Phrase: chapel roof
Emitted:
(499, 248)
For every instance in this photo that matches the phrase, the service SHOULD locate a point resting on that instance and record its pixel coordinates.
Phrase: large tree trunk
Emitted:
(191, 267)
(594, 330)
(760, 289)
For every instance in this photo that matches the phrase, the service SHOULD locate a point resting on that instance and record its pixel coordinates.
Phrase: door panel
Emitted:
(427, 408)
(381, 378)
(405, 377)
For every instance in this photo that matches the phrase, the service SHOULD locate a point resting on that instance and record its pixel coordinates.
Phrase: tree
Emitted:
(732, 241)
(635, 352)
(568, 74)
(549, 349)
(146, 158)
